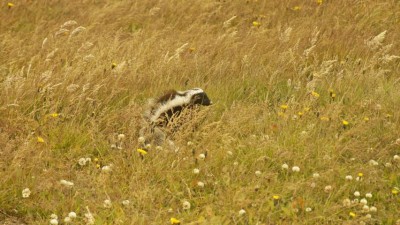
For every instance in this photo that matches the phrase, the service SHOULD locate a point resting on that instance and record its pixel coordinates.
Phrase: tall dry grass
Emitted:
(284, 76)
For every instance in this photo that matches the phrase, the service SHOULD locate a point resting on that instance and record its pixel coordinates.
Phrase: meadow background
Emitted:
(304, 128)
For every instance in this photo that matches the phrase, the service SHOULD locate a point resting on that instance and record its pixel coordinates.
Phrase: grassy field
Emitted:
(304, 128)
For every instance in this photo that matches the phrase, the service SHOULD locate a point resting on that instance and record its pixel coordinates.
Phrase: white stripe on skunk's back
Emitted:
(182, 98)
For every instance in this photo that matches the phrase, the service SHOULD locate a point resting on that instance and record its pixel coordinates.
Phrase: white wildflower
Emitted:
(364, 201)
(396, 158)
(67, 219)
(373, 209)
(357, 194)
(373, 163)
(328, 188)
(196, 171)
(258, 173)
(308, 209)
(242, 212)
(296, 169)
(346, 202)
(186, 205)
(106, 169)
(316, 175)
(54, 221)
(202, 156)
(368, 195)
(365, 208)
(26, 193)
(107, 204)
(82, 161)
(349, 177)
(53, 216)
(285, 166)
(126, 202)
(72, 215)
(121, 137)
(200, 184)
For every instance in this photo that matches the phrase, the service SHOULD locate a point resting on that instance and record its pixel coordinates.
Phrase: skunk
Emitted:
(163, 110)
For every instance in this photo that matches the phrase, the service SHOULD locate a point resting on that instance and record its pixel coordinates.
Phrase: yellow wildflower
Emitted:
(360, 174)
(345, 123)
(296, 8)
(40, 140)
(276, 197)
(113, 65)
(54, 115)
(366, 119)
(175, 221)
(141, 151)
(300, 114)
(319, 2)
(284, 107)
(315, 94)
(332, 94)
(352, 214)
(96, 159)
(256, 24)
(10, 5)
(395, 191)
(98, 166)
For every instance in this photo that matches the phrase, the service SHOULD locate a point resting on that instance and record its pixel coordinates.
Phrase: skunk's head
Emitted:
(198, 97)
(175, 101)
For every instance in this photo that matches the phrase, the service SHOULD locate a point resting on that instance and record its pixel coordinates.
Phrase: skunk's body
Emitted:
(165, 109)
(172, 103)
